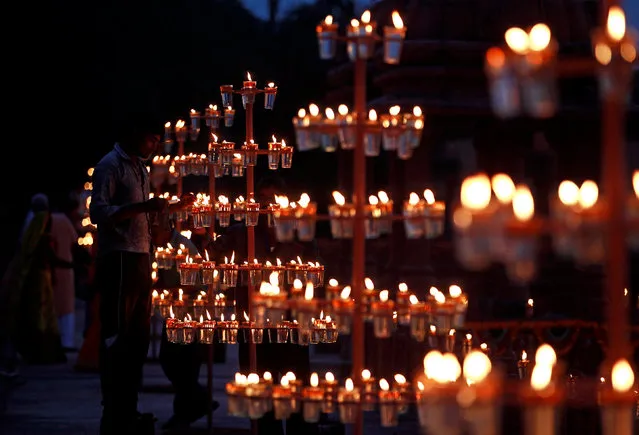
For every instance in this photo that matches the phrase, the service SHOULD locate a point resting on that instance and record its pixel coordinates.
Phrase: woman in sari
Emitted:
(29, 318)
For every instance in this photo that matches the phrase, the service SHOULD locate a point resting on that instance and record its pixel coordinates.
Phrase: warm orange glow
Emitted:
(517, 40)
(539, 37)
(366, 17)
(328, 20)
(397, 20)
(616, 23)
(495, 57)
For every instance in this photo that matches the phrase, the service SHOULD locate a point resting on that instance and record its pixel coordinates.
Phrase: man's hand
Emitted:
(186, 201)
(156, 204)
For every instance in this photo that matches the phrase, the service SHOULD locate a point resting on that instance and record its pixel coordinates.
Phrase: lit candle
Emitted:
(249, 83)
(618, 403)
(327, 38)
(238, 405)
(387, 404)
(382, 312)
(313, 396)
(393, 39)
(343, 308)
(479, 397)
(282, 396)
(369, 390)
(348, 398)
(438, 406)
(270, 91)
(403, 304)
(530, 305)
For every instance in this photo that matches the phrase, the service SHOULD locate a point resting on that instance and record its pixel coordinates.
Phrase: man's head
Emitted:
(140, 135)
(268, 187)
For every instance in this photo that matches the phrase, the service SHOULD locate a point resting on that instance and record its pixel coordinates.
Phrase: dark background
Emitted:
(82, 66)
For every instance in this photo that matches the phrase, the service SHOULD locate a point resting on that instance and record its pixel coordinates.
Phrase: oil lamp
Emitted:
(404, 392)
(328, 138)
(333, 290)
(190, 272)
(382, 312)
(307, 307)
(315, 274)
(199, 305)
(301, 123)
(618, 403)
(239, 208)
(252, 213)
(522, 365)
(473, 221)
(368, 390)
(327, 38)
(237, 165)
(451, 338)
(373, 135)
(212, 116)
(330, 387)
(542, 395)
(418, 315)
(369, 295)
(195, 124)
(590, 237)
(373, 213)
(394, 39)
(413, 212)
(352, 32)
(438, 408)
(434, 213)
(237, 402)
(282, 397)
(402, 298)
(341, 217)
(615, 49)
(388, 400)
(479, 398)
(229, 116)
(563, 211)
(227, 95)
(346, 130)
(180, 131)
(168, 139)
(173, 328)
(283, 217)
(467, 344)
(274, 148)
(313, 397)
(270, 92)
(248, 90)
(366, 36)
(270, 302)
(306, 213)
(286, 153)
(229, 272)
(503, 84)
(343, 307)
(386, 209)
(223, 211)
(249, 151)
(348, 399)
(296, 390)
(258, 394)
(521, 252)
(391, 133)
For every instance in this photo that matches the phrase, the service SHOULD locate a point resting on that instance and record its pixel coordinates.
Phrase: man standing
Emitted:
(125, 216)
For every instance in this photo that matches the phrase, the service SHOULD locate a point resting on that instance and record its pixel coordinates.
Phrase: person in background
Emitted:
(65, 241)
(273, 357)
(127, 228)
(28, 319)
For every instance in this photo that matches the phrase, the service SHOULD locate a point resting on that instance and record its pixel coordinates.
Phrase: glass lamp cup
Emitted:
(434, 219)
(419, 321)
(315, 275)
(312, 408)
(538, 82)
(342, 220)
(306, 218)
(329, 141)
(239, 210)
(347, 132)
(402, 300)
(343, 310)
(248, 93)
(393, 42)
(190, 274)
(383, 323)
(206, 332)
(269, 97)
(250, 154)
(284, 219)
(286, 154)
(214, 152)
(327, 40)
(209, 277)
(274, 149)
(252, 213)
(223, 213)
(282, 406)
(372, 139)
(368, 298)
(404, 148)
(229, 116)
(229, 274)
(348, 405)
(414, 222)
(213, 118)
(189, 329)
(503, 85)
(172, 326)
(303, 134)
(226, 92)
(366, 40)
(237, 401)
(237, 168)
(373, 213)
(388, 408)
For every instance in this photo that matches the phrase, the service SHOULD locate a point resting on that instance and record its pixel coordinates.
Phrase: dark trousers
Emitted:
(124, 282)
(181, 365)
(279, 359)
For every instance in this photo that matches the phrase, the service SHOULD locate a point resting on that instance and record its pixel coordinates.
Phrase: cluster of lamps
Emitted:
(450, 397)
(395, 131)
(522, 76)
(496, 222)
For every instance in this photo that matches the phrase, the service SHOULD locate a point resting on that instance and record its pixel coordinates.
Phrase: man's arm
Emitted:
(102, 209)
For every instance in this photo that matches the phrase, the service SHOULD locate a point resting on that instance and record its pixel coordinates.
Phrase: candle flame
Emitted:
(366, 374)
(383, 385)
(476, 367)
(366, 17)
(313, 109)
(290, 376)
(588, 194)
(368, 283)
(523, 204)
(476, 192)
(503, 187)
(308, 292)
(400, 379)
(372, 115)
(622, 377)
(301, 113)
(284, 382)
(517, 40)
(248, 76)
(267, 376)
(568, 193)
(530, 302)
(339, 198)
(373, 200)
(383, 296)
(539, 37)
(545, 355)
(616, 23)
(403, 287)
(417, 111)
(349, 384)
(297, 284)
(328, 20)
(541, 377)
(524, 355)
(345, 294)
(354, 23)
(314, 380)
(397, 20)
(635, 183)
(253, 379)
(342, 109)
(329, 377)
(330, 114)
(413, 299)
(455, 291)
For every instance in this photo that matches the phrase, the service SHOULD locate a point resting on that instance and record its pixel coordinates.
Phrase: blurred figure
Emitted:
(29, 323)
(65, 242)
(273, 357)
